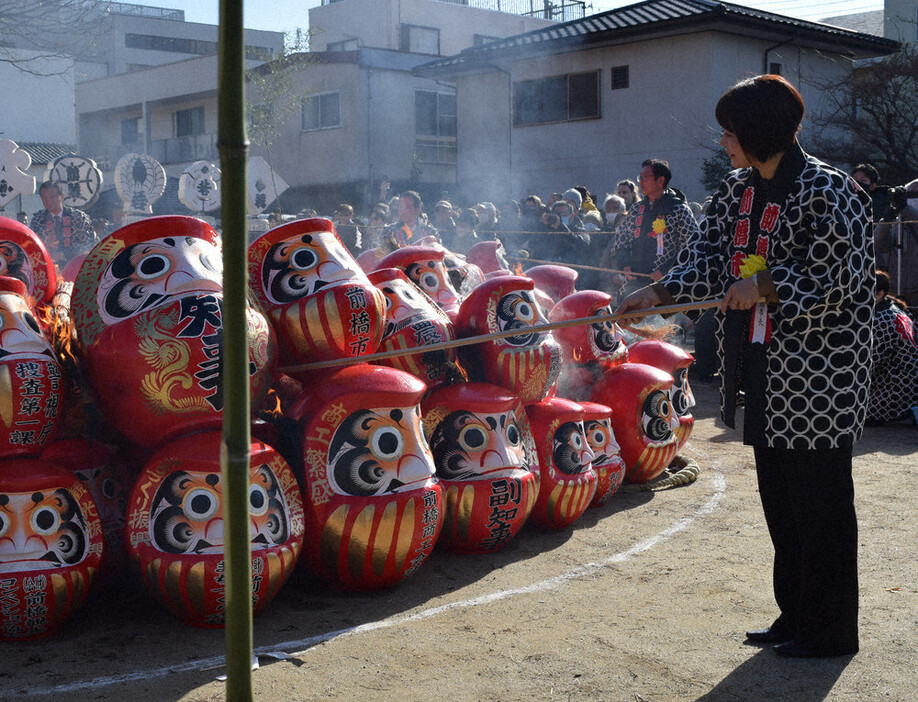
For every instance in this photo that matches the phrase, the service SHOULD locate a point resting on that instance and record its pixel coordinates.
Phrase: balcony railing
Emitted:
(560, 10)
(200, 147)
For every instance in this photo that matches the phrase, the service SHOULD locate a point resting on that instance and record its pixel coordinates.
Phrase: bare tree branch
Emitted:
(871, 116)
(35, 36)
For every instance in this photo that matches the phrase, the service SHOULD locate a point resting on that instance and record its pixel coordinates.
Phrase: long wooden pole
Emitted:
(233, 145)
(578, 265)
(482, 338)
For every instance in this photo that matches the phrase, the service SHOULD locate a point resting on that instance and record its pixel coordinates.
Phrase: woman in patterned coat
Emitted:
(894, 378)
(786, 243)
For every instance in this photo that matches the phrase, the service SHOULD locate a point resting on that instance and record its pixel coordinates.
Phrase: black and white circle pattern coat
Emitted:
(821, 259)
(894, 379)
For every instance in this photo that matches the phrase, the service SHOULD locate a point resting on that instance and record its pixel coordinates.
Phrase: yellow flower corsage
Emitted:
(751, 265)
(659, 225)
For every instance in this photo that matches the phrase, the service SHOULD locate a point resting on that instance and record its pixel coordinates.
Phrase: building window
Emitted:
(346, 45)
(435, 126)
(321, 111)
(189, 122)
(130, 130)
(774, 68)
(182, 45)
(419, 40)
(619, 77)
(557, 99)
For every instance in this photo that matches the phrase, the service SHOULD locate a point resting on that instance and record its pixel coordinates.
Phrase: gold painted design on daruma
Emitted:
(171, 587)
(382, 542)
(197, 590)
(6, 396)
(330, 541)
(571, 490)
(556, 493)
(333, 323)
(274, 567)
(358, 539)
(405, 535)
(450, 501)
(151, 575)
(532, 488)
(464, 512)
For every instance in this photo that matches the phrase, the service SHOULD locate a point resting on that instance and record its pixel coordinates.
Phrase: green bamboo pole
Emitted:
(233, 145)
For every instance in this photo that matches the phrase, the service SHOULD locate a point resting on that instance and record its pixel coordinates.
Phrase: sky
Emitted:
(288, 15)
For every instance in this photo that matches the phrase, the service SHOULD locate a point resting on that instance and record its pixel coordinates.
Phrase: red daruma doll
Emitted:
(607, 458)
(51, 544)
(424, 266)
(148, 310)
(675, 361)
(527, 364)
(319, 300)
(588, 349)
(413, 320)
(23, 256)
(31, 383)
(175, 529)
(486, 462)
(643, 417)
(565, 458)
(374, 508)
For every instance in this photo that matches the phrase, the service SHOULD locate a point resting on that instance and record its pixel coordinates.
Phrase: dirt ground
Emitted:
(645, 599)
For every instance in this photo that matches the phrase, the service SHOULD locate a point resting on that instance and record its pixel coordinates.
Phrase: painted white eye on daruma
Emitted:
(657, 416)
(45, 521)
(570, 449)
(473, 437)
(387, 443)
(200, 504)
(681, 393)
(374, 452)
(258, 500)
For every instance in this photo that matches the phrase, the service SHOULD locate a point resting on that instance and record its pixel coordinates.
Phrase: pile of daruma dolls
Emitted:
(111, 399)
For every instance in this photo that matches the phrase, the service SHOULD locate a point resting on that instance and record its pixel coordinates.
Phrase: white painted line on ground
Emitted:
(300, 646)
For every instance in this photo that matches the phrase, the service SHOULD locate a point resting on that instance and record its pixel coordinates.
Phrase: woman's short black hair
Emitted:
(764, 113)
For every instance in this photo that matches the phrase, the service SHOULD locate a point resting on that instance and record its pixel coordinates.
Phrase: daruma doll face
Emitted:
(372, 500)
(51, 544)
(643, 417)
(424, 266)
(318, 299)
(176, 526)
(607, 460)
(527, 364)
(486, 462)
(565, 462)
(675, 361)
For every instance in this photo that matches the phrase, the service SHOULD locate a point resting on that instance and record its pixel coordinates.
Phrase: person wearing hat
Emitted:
(561, 239)
(487, 219)
(443, 217)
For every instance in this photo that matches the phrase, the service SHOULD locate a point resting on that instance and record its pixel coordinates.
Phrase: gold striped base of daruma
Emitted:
(374, 543)
(34, 603)
(562, 502)
(609, 478)
(194, 587)
(341, 321)
(684, 430)
(483, 515)
(652, 462)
